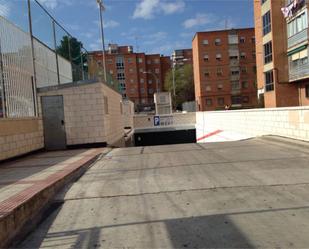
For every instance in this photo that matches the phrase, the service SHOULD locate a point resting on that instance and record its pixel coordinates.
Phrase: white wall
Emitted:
(292, 122)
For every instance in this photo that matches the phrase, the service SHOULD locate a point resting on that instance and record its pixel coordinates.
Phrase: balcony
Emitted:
(299, 72)
(298, 38)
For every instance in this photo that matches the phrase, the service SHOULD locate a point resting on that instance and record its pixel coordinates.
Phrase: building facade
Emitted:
(282, 52)
(225, 69)
(183, 57)
(139, 75)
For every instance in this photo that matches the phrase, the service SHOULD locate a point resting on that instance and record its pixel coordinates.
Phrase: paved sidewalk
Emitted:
(22, 181)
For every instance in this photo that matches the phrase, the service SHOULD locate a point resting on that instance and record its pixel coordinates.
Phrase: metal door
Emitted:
(53, 122)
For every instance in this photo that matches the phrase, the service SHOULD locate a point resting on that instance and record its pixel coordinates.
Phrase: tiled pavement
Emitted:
(25, 178)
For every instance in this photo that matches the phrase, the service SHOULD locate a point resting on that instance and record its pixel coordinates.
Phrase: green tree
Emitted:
(71, 49)
(184, 85)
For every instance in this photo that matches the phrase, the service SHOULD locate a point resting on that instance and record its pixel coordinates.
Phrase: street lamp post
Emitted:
(155, 77)
(174, 59)
(101, 9)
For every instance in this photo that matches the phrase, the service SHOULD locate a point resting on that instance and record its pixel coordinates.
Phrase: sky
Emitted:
(151, 26)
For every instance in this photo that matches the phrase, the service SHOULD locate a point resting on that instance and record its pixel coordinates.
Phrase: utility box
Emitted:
(163, 103)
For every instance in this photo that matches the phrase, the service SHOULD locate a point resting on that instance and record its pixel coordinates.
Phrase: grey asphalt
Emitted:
(244, 194)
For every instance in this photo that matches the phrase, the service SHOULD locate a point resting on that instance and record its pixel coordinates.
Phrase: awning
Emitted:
(296, 50)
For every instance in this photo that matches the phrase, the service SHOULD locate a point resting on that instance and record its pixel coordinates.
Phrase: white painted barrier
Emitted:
(292, 122)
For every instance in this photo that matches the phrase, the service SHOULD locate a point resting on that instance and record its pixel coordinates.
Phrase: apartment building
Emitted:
(282, 52)
(139, 75)
(225, 69)
(183, 57)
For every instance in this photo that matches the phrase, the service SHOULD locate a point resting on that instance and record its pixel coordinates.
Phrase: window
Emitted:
(219, 71)
(109, 61)
(140, 60)
(142, 81)
(236, 100)
(244, 70)
(298, 24)
(120, 76)
(220, 101)
(235, 72)
(111, 71)
(220, 87)
(206, 73)
(141, 70)
(130, 60)
(217, 41)
(157, 70)
(205, 42)
(131, 70)
(253, 54)
(242, 55)
(156, 61)
(209, 102)
(149, 82)
(131, 80)
(206, 57)
(142, 90)
(119, 63)
(268, 56)
(269, 81)
(235, 85)
(266, 23)
(263, 1)
(307, 90)
(105, 105)
(244, 84)
(253, 39)
(245, 99)
(242, 40)
(150, 91)
(208, 88)
(218, 57)
(298, 60)
(254, 69)
(148, 62)
(132, 90)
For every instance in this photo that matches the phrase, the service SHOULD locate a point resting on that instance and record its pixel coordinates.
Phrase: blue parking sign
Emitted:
(156, 121)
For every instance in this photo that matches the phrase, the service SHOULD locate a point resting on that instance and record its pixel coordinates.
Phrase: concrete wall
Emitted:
(181, 119)
(88, 118)
(20, 136)
(128, 113)
(290, 122)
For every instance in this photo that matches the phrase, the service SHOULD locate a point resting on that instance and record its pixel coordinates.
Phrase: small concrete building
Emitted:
(84, 114)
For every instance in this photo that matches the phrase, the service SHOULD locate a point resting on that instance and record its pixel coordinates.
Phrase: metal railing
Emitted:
(298, 38)
(36, 51)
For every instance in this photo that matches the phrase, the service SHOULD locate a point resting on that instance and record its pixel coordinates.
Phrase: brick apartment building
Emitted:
(183, 57)
(225, 69)
(282, 52)
(138, 74)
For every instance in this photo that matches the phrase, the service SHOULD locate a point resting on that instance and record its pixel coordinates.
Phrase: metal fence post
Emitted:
(2, 84)
(56, 53)
(34, 81)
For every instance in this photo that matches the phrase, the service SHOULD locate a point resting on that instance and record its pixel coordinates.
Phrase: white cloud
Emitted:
(198, 20)
(175, 7)
(51, 4)
(4, 9)
(87, 34)
(147, 9)
(111, 24)
(107, 24)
